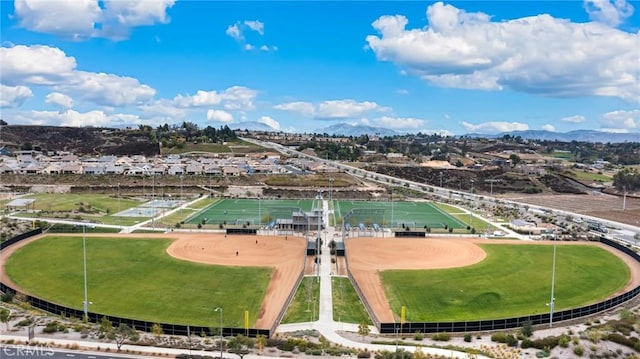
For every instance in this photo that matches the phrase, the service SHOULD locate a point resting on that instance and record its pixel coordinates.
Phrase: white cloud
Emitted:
(59, 99)
(219, 116)
(83, 19)
(402, 91)
(37, 64)
(300, 107)
(49, 66)
(233, 98)
(14, 96)
(574, 119)
(538, 54)
(610, 12)
(249, 47)
(270, 122)
(234, 32)
(74, 118)
(341, 109)
(621, 120)
(255, 25)
(164, 109)
(494, 127)
(108, 89)
(399, 123)
(549, 127)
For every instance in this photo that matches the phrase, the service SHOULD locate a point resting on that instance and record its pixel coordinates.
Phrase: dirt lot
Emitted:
(368, 256)
(593, 204)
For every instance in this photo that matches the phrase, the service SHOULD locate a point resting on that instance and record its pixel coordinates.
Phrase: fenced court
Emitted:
(149, 209)
(396, 214)
(252, 211)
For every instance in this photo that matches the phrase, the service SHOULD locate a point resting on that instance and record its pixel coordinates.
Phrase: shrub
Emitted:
(578, 350)
(512, 341)
(527, 328)
(499, 337)
(418, 335)
(526, 343)
(467, 338)
(441, 337)
(364, 355)
(564, 341)
(545, 343)
(25, 322)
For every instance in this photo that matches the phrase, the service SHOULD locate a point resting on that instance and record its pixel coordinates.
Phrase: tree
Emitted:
(240, 345)
(627, 180)
(515, 159)
(106, 327)
(123, 333)
(5, 315)
(363, 329)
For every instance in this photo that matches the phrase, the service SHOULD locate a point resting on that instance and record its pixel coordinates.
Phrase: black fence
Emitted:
(409, 234)
(245, 231)
(512, 323)
(170, 329)
(20, 237)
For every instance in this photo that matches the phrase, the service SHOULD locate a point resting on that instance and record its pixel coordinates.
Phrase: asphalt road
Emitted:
(25, 351)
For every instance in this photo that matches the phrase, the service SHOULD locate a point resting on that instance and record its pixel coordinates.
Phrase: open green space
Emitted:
(397, 213)
(588, 176)
(513, 280)
(240, 211)
(347, 306)
(305, 305)
(136, 278)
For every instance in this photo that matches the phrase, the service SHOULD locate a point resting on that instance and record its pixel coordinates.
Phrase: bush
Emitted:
(364, 355)
(578, 350)
(25, 322)
(499, 337)
(512, 341)
(441, 337)
(545, 343)
(7, 297)
(53, 327)
(527, 328)
(467, 338)
(526, 343)
(418, 335)
(564, 341)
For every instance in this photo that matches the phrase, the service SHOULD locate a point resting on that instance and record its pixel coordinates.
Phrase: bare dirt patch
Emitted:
(368, 256)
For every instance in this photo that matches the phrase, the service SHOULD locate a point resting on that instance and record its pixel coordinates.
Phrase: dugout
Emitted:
(245, 231)
(340, 249)
(410, 234)
(311, 248)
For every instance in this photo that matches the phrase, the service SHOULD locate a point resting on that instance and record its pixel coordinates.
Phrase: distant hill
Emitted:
(578, 135)
(345, 129)
(78, 140)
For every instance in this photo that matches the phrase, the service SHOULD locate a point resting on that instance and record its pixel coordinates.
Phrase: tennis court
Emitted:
(252, 211)
(395, 214)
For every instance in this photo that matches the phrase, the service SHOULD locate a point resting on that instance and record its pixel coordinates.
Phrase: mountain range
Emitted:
(345, 129)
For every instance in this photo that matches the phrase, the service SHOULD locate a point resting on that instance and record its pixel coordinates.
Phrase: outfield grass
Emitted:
(347, 306)
(586, 176)
(513, 280)
(182, 215)
(305, 306)
(66, 202)
(135, 278)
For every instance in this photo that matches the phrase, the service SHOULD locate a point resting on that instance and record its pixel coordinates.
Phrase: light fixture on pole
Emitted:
(553, 282)
(85, 303)
(219, 309)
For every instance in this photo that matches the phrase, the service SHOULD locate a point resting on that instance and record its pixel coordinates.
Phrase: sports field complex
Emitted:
(177, 276)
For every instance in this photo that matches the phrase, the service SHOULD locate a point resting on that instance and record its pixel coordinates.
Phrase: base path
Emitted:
(368, 256)
(285, 254)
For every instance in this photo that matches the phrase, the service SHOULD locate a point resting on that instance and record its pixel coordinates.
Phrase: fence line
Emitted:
(363, 299)
(283, 310)
(142, 325)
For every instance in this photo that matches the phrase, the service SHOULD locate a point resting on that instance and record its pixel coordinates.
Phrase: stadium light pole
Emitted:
(553, 282)
(181, 177)
(85, 303)
(219, 309)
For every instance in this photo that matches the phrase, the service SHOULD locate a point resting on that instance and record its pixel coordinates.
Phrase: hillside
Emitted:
(78, 140)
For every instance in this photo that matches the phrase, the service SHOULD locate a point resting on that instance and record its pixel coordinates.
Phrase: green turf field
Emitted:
(305, 305)
(513, 280)
(239, 211)
(135, 278)
(347, 307)
(412, 214)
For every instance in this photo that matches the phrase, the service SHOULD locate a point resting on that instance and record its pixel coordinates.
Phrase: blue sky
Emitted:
(413, 66)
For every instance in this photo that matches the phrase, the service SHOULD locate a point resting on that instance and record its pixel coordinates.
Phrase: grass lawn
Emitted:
(586, 176)
(252, 210)
(135, 278)
(65, 202)
(305, 305)
(513, 280)
(347, 306)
